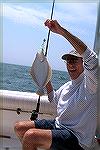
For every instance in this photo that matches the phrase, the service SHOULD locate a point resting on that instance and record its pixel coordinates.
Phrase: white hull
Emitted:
(9, 102)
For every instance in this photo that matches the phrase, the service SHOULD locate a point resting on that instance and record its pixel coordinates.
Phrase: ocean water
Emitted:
(17, 78)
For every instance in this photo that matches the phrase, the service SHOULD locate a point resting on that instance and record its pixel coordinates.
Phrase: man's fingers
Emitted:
(49, 23)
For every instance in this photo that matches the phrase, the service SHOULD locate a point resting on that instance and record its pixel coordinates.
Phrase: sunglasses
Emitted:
(71, 60)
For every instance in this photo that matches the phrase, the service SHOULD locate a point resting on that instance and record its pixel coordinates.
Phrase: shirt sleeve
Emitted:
(55, 95)
(90, 69)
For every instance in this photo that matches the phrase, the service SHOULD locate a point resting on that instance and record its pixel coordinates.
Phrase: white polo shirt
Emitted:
(76, 102)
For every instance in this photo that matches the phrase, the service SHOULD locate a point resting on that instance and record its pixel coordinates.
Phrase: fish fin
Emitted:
(49, 75)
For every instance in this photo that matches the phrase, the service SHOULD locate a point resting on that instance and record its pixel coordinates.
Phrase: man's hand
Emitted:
(53, 25)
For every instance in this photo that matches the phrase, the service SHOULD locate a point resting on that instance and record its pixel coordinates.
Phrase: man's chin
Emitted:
(73, 76)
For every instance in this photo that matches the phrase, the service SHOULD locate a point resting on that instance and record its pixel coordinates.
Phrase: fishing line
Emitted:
(35, 113)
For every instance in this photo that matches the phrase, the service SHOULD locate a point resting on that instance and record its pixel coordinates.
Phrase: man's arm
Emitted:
(55, 27)
(49, 87)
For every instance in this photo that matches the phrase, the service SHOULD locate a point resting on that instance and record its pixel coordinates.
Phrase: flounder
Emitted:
(41, 72)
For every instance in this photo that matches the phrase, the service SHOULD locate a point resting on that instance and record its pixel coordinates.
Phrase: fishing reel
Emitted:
(34, 115)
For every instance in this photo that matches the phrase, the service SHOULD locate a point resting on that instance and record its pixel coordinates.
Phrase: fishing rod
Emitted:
(49, 29)
(35, 113)
(18, 110)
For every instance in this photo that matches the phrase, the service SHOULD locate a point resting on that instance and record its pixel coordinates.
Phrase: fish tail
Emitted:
(40, 92)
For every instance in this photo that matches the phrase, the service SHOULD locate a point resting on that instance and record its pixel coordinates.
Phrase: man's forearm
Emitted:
(49, 87)
(55, 27)
(74, 41)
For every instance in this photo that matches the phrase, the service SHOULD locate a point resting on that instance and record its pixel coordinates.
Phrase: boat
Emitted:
(16, 106)
(97, 50)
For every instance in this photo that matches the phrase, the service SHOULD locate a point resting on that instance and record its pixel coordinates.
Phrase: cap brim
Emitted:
(66, 55)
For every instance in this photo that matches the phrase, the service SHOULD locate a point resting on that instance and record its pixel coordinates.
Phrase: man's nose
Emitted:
(71, 66)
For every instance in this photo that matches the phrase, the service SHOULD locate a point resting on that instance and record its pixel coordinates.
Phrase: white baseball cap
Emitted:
(72, 52)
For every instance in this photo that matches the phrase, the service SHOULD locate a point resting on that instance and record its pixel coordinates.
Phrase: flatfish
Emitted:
(41, 72)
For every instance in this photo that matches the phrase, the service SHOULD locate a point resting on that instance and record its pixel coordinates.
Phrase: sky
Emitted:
(24, 30)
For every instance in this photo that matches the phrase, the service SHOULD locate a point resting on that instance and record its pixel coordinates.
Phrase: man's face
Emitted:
(74, 66)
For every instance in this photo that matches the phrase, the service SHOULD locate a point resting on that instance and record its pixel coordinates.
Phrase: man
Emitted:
(75, 124)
